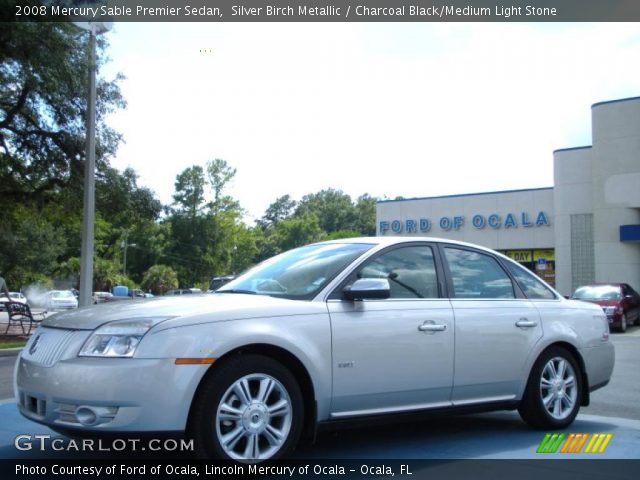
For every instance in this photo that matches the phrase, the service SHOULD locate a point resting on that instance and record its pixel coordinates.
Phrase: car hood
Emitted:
(183, 309)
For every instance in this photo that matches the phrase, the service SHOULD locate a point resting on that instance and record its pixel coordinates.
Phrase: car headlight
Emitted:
(117, 339)
(609, 310)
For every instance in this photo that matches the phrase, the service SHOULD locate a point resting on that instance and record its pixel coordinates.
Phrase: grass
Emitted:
(12, 344)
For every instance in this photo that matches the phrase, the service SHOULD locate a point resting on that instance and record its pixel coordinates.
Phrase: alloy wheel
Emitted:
(254, 418)
(558, 388)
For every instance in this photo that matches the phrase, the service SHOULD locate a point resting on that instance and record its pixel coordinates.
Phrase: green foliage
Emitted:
(43, 85)
(328, 214)
(333, 208)
(219, 174)
(189, 185)
(298, 231)
(280, 209)
(343, 234)
(159, 279)
(30, 246)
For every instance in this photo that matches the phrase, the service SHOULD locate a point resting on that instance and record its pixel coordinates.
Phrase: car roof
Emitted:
(398, 240)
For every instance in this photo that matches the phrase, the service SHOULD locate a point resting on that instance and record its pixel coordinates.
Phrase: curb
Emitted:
(10, 352)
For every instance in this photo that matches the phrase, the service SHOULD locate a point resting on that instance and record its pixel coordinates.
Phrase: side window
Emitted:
(476, 275)
(532, 287)
(411, 272)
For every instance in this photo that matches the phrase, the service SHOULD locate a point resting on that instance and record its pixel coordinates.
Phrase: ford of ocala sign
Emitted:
(457, 222)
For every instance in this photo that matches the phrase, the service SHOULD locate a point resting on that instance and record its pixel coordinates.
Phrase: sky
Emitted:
(388, 109)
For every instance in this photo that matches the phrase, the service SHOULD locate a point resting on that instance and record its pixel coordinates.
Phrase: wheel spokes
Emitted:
(558, 388)
(254, 418)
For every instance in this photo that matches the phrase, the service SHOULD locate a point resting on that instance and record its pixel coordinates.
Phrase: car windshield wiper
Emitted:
(237, 290)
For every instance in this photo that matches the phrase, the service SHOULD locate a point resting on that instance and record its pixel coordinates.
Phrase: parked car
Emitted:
(60, 300)
(619, 301)
(183, 291)
(337, 330)
(217, 282)
(102, 297)
(13, 297)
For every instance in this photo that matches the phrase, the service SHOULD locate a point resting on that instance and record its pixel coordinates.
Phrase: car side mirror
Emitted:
(367, 288)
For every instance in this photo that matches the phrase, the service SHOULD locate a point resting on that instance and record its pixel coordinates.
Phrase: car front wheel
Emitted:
(554, 391)
(250, 409)
(623, 323)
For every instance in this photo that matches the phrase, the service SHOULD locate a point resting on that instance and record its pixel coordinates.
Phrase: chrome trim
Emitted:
(473, 401)
(379, 411)
(48, 345)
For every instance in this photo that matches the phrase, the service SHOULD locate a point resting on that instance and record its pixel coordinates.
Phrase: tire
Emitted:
(249, 409)
(623, 323)
(553, 394)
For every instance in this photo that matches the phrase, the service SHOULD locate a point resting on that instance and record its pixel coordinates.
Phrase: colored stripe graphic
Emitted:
(598, 443)
(573, 443)
(550, 443)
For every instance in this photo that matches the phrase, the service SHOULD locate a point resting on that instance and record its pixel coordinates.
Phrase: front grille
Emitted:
(47, 345)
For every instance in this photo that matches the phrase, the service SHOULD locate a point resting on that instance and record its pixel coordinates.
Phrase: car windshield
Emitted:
(63, 294)
(297, 274)
(598, 292)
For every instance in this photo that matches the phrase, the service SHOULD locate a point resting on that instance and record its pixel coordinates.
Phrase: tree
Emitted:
(365, 222)
(333, 209)
(120, 200)
(160, 279)
(43, 85)
(219, 174)
(298, 231)
(280, 209)
(29, 246)
(189, 193)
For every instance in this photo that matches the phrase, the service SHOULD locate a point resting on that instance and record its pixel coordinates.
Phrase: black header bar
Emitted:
(321, 11)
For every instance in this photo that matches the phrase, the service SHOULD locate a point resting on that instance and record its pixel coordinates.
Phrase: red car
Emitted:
(620, 302)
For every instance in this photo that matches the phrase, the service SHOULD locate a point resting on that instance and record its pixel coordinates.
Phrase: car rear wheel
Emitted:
(554, 391)
(250, 409)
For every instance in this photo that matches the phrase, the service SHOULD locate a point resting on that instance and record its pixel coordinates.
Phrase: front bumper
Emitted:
(102, 394)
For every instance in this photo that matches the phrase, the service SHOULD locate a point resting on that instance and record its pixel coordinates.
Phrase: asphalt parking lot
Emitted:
(501, 435)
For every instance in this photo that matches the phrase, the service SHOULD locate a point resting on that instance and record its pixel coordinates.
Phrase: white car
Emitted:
(60, 300)
(13, 297)
(336, 330)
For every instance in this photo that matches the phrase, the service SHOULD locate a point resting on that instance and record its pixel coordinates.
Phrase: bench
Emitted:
(19, 313)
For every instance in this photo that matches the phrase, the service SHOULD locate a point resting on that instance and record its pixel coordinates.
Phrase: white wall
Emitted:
(529, 202)
(572, 194)
(616, 192)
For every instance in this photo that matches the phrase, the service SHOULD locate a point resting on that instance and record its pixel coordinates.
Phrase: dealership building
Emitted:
(584, 229)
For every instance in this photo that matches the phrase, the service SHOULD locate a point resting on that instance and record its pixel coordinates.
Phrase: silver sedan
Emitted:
(330, 331)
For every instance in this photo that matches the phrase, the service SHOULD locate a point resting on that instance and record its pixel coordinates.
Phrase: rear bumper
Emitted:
(599, 362)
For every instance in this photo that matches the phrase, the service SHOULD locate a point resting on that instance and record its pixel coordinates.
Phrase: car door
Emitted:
(393, 354)
(496, 328)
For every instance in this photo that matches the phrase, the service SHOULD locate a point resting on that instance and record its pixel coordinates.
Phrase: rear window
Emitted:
(531, 285)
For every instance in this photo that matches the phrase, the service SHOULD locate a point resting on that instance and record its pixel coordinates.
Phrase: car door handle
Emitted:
(432, 327)
(524, 323)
